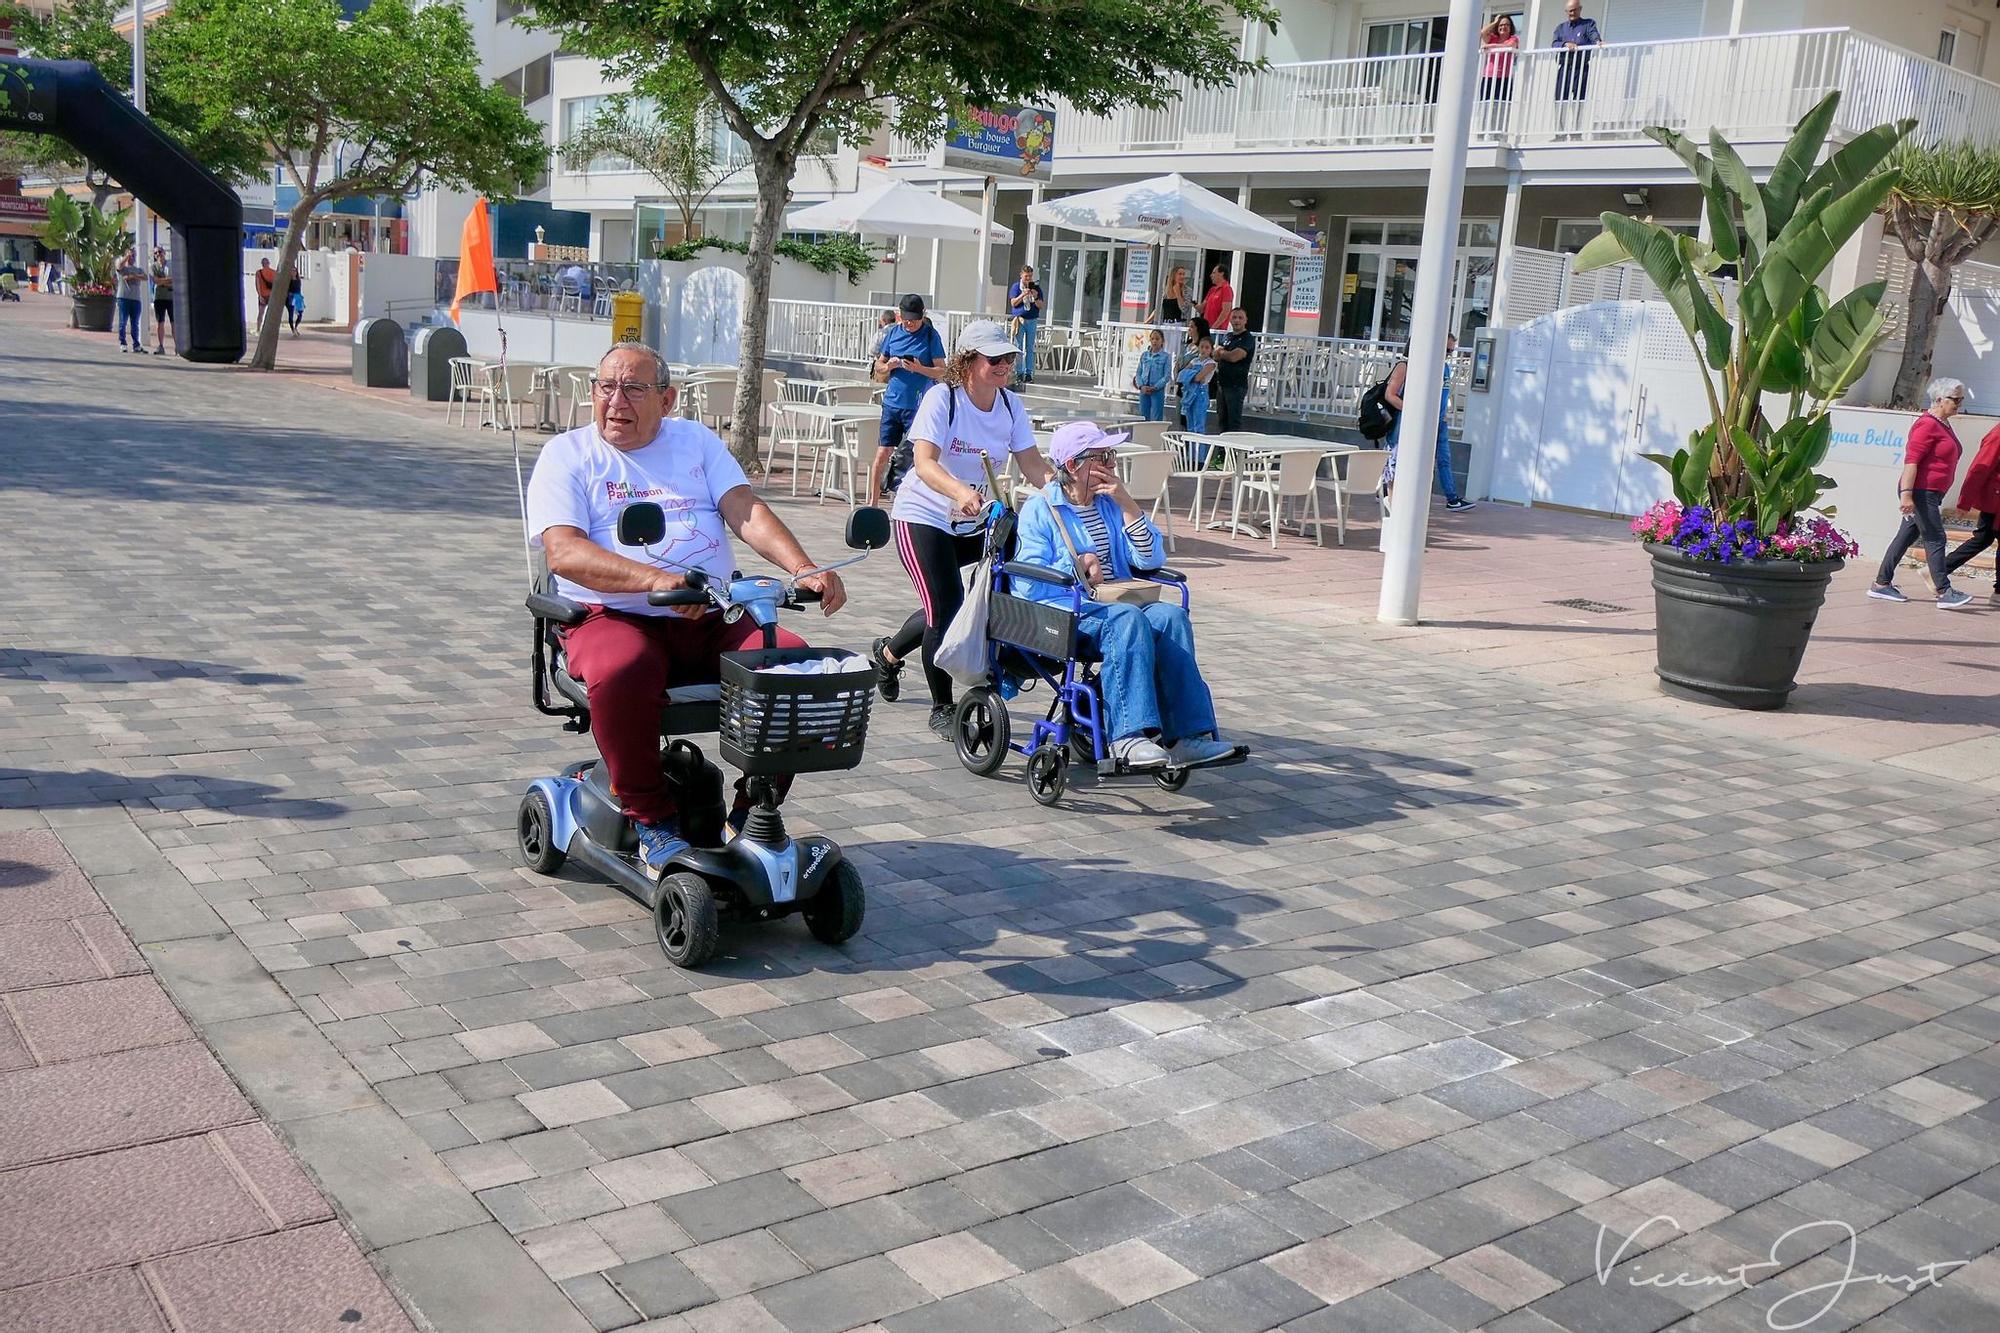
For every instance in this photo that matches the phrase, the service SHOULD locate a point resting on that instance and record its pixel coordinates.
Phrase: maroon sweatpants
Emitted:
(627, 663)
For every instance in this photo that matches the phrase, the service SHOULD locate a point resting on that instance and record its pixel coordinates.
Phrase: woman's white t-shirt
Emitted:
(963, 438)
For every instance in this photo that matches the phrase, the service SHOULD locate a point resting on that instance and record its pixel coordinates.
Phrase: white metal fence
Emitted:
(841, 334)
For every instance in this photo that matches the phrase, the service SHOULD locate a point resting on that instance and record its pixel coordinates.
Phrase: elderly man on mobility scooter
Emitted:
(631, 513)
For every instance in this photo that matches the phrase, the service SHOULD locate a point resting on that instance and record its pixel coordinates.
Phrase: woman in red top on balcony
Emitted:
(1981, 493)
(1930, 461)
(1499, 41)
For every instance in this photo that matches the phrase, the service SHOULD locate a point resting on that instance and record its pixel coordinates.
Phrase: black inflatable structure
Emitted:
(70, 100)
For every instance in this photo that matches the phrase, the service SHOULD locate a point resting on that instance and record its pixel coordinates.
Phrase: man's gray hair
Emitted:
(1944, 386)
(661, 375)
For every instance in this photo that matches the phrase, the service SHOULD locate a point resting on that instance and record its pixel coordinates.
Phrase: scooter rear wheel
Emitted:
(684, 920)
(535, 834)
(835, 912)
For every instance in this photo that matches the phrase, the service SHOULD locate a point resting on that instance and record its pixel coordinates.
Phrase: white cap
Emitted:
(988, 337)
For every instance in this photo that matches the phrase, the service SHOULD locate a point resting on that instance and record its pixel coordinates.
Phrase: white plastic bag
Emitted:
(963, 652)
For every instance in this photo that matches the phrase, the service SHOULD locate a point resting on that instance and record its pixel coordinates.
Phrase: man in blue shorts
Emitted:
(911, 356)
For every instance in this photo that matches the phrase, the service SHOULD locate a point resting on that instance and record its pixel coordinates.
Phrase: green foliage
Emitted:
(674, 143)
(83, 30)
(1945, 206)
(1784, 336)
(92, 237)
(835, 254)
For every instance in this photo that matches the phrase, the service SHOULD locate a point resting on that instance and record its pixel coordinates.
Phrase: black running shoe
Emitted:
(888, 675)
(943, 723)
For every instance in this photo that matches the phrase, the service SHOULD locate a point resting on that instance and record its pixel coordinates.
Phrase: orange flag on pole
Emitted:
(475, 257)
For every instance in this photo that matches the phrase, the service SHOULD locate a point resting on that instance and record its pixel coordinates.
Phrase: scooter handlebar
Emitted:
(804, 596)
(677, 597)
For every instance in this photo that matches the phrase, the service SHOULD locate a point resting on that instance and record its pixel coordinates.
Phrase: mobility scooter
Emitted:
(778, 711)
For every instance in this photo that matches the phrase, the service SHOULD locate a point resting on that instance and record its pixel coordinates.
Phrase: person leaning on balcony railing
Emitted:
(1930, 460)
(1574, 37)
(1499, 43)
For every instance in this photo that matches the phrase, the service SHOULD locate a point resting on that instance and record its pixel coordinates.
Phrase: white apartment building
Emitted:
(1333, 140)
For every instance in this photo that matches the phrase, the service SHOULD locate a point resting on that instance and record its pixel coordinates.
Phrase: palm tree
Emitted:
(676, 145)
(1944, 208)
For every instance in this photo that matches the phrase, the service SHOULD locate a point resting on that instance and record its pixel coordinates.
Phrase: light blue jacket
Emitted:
(1038, 542)
(1153, 371)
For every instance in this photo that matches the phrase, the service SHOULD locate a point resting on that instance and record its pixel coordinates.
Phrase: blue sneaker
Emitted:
(658, 844)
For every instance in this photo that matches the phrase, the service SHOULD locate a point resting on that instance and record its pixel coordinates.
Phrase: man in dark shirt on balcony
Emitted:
(1574, 37)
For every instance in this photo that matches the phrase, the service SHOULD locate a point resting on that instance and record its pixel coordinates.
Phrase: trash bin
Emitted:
(381, 356)
(628, 317)
(430, 363)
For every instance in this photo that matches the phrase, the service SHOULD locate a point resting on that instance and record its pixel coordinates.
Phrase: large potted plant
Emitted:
(1743, 553)
(94, 241)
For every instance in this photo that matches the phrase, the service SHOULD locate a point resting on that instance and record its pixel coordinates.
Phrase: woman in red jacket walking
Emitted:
(1981, 492)
(1929, 463)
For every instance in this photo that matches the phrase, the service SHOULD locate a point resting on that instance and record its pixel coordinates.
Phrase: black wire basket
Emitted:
(777, 723)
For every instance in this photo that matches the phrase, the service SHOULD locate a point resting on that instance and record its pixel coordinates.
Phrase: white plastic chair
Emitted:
(838, 395)
(497, 406)
(1152, 434)
(466, 386)
(579, 391)
(569, 296)
(1146, 478)
(844, 453)
(1276, 478)
(806, 433)
(1360, 475)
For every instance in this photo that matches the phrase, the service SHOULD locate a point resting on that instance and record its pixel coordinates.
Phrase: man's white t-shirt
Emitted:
(963, 438)
(582, 482)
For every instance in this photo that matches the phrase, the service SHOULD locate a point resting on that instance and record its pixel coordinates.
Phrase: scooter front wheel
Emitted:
(684, 920)
(535, 835)
(835, 912)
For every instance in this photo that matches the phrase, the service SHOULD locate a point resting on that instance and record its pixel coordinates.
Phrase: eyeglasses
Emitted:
(1005, 359)
(632, 390)
(1953, 398)
(1105, 456)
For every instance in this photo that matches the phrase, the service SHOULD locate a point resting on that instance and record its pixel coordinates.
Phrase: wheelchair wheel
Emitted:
(684, 920)
(1048, 773)
(979, 732)
(835, 912)
(1173, 779)
(535, 833)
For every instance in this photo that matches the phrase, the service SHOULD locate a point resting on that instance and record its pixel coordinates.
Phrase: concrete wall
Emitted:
(406, 282)
(315, 284)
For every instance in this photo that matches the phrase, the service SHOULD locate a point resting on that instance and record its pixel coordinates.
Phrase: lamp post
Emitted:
(139, 246)
(1423, 386)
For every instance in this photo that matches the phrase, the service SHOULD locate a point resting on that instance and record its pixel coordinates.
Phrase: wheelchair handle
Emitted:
(677, 597)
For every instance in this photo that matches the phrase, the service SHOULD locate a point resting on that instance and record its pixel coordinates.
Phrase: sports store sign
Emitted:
(1012, 142)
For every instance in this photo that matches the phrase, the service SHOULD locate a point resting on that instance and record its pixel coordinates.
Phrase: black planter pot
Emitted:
(1734, 634)
(93, 313)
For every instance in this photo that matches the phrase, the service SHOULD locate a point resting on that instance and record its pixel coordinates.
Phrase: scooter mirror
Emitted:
(867, 529)
(642, 523)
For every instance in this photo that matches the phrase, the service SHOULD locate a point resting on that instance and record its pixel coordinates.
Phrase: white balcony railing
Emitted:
(1752, 86)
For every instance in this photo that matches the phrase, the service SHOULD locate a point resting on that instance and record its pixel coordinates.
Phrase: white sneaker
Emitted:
(1136, 752)
(1188, 753)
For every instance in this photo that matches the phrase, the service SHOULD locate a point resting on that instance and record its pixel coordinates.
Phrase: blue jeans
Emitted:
(1444, 477)
(1029, 328)
(1152, 404)
(1149, 677)
(128, 312)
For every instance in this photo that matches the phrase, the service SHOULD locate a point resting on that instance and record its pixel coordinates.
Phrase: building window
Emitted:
(577, 115)
(1406, 37)
(1379, 277)
(1947, 45)
(532, 82)
(504, 10)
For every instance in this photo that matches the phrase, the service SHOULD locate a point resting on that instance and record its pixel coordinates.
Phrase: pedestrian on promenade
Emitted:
(1234, 351)
(1025, 303)
(1399, 377)
(1930, 460)
(267, 279)
(1173, 308)
(1574, 37)
(1195, 378)
(1981, 494)
(295, 302)
(883, 323)
(162, 275)
(1150, 379)
(910, 358)
(963, 428)
(131, 301)
(1500, 44)
(1220, 297)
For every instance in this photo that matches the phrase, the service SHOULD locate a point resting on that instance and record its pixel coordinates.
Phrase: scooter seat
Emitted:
(687, 709)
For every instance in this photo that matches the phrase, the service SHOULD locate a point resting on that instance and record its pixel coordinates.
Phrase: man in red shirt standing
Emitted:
(1930, 461)
(1981, 493)
(1219, 299)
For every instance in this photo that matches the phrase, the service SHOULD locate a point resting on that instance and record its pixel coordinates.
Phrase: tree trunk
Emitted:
(774, 176)
(1930, 286)
(265, 357)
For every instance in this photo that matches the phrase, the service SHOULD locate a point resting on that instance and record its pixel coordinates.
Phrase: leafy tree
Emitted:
(1944, 208)
(674, 144)
(349, 107)
(785, 72)
(93, 238)
(82, 30)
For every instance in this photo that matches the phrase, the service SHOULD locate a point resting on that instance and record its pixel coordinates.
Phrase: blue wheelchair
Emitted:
(1031, 643)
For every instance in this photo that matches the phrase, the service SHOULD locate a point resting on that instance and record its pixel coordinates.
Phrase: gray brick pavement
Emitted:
(1457, 977)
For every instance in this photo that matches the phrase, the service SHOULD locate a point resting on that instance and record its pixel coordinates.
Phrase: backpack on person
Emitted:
(1374, 417)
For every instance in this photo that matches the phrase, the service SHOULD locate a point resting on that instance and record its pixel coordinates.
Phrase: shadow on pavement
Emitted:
(19, 874)
(59, 789)
(106, 669)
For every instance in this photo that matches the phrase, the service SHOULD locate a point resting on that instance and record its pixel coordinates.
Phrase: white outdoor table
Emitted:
(1238, 448)
(544, 384)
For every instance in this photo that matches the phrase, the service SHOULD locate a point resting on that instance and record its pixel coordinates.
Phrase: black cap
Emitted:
(911, 304)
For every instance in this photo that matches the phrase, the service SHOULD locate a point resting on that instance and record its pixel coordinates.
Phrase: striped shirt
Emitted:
(1094, 527)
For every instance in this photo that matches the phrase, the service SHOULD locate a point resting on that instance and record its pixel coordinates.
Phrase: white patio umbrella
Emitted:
(894, 208)
(1168, 210)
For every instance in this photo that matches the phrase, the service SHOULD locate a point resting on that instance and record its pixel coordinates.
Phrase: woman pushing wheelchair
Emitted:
(1158, 713)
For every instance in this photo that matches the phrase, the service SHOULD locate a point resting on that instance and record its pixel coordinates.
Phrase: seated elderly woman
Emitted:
(1157, 709)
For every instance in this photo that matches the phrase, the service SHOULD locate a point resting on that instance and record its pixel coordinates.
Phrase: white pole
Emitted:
(1035, 231)
(937, 254)
(1736, 19)
(1236, 258)
(142, 253)
(984, 274)
(1534, 36)
(1510, 233)
(1423, 391)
